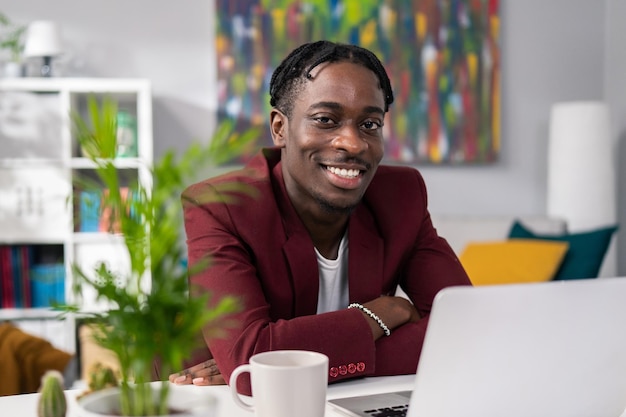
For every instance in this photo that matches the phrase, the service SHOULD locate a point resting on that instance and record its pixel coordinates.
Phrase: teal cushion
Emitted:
(585, 254)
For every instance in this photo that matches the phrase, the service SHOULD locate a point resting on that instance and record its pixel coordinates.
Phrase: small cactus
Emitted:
(52, 401)
(101, 377)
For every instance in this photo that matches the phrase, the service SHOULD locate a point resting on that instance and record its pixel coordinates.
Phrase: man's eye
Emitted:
(323, 120)
(372, 125)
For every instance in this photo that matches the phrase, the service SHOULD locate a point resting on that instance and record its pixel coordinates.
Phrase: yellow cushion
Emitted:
(512, 261)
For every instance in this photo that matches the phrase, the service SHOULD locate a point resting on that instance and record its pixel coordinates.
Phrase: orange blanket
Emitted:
(24, 359)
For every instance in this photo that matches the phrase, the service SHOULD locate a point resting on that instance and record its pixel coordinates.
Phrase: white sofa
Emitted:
(459, 230)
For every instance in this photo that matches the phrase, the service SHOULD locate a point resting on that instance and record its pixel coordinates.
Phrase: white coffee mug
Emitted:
(285, 383)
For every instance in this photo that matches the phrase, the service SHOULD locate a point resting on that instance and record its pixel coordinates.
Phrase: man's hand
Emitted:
(393, 311)
(204, 373)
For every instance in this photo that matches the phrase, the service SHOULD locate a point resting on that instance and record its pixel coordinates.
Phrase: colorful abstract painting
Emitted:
(443, 58)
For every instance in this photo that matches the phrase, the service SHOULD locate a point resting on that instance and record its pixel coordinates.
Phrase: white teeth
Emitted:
(342, 172)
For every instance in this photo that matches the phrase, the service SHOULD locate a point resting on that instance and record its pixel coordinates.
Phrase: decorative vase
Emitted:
(183, 401)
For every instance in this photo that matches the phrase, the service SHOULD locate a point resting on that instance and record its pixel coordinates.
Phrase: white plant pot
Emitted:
(185, 400)
(12, 69)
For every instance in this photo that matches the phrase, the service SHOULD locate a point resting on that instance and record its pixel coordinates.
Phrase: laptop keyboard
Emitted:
(396, 411)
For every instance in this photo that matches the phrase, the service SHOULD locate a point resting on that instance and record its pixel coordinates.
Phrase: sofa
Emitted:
(508, 249)
(460, 230)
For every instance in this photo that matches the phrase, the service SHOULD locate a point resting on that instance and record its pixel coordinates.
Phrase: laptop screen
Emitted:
(525, 350)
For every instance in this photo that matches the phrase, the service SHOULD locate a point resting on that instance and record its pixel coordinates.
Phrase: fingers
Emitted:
(188, 379)
(205, 368)
(407, 305)
(209, 380)
(181, 378)
(415, 315)
(204, 373)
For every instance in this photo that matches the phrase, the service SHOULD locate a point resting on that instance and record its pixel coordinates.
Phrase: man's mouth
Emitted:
(343, 172)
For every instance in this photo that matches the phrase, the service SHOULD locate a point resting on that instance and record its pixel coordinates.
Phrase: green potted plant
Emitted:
(11, 40)
(149, 316)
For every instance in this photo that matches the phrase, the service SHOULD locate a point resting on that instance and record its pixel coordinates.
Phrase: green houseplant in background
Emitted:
(150, 315)
(11, 40)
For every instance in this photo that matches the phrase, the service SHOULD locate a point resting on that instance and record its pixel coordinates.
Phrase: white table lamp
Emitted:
(581, 186)
(43, 40)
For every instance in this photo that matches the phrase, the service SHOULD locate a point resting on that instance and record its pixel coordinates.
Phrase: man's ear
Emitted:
(278, 127)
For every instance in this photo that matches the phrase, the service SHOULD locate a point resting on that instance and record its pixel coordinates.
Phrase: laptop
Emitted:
(553, 349)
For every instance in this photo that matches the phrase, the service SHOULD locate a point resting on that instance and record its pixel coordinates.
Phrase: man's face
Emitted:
(332, 143)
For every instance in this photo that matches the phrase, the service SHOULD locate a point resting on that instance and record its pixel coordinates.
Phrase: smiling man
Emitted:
(316, 257)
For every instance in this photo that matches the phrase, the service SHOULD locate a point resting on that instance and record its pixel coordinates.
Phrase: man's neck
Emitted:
(326, 232)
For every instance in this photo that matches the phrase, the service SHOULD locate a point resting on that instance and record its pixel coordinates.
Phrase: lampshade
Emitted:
(581, 168)
(42, 39)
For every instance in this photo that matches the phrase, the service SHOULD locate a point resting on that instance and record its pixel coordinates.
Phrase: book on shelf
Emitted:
(109, 223)
(95, 215)
(25, 283)
(6, 279)
(89, 211)
(25, 260)
(48, 284)
(16, 267)
(126, 134)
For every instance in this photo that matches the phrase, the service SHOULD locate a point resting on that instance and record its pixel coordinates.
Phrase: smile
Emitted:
(345, 173)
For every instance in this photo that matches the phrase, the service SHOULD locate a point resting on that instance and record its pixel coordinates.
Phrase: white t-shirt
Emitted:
(333, 289)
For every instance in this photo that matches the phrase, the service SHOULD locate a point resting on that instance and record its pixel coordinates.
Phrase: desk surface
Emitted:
(26, 405)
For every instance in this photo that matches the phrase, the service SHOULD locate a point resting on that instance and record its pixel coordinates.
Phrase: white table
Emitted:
(26, 405)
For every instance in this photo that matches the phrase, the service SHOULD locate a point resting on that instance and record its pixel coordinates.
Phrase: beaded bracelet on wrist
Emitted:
(374, 317)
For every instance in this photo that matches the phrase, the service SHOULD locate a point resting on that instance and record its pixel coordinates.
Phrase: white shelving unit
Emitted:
(39, 161)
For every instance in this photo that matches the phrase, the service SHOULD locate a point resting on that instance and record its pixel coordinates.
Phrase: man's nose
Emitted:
(350, 139)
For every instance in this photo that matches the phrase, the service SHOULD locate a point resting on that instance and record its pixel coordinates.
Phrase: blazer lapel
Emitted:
(302, 262)
(366, 251)
(299, 252)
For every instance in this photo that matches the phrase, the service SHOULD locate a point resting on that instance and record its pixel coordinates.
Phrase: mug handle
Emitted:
(233, 387)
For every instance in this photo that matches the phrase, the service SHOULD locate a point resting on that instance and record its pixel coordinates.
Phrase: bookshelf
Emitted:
(42, 221)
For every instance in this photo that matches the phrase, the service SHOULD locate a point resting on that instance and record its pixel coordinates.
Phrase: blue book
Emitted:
(89, 211)
(47, 284)
(16, 262)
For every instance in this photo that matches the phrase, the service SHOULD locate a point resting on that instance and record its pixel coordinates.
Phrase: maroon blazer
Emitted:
(261, 252)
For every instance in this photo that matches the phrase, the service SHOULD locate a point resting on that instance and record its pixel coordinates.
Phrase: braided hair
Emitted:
(291, 75)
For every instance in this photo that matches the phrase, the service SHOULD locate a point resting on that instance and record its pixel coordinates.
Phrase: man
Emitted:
(328, 229)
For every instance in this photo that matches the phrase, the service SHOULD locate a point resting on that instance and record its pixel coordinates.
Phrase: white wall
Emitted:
(615, 93)
(553, 50)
